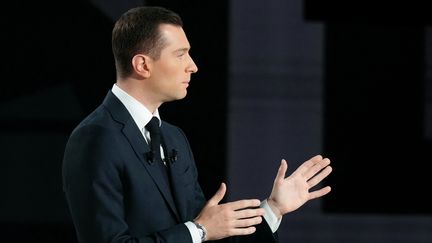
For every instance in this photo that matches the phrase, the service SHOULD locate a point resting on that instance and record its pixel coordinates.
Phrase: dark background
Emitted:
(375, 105)
(373, 111)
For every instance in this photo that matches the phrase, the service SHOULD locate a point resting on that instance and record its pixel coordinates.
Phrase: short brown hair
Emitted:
(137, 31)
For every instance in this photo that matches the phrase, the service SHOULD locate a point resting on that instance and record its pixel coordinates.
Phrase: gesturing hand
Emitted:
(290, 193)
(229, 219)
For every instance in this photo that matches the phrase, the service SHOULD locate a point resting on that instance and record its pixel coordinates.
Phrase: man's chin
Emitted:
(182, 96)
(177, 97)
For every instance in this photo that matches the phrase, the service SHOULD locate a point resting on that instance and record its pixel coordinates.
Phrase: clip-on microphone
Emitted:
(171, 157)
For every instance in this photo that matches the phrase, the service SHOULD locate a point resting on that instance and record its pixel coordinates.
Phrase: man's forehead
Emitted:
(174, 37)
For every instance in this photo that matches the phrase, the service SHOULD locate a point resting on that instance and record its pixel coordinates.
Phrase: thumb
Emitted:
(217, 197)
(282, 170)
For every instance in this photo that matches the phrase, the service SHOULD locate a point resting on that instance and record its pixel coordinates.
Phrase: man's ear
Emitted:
(142, 65)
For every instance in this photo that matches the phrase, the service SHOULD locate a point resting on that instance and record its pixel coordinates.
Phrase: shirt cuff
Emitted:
(270, 217)
(196, 238)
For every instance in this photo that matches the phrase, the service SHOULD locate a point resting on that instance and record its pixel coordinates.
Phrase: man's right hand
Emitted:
(229, 219)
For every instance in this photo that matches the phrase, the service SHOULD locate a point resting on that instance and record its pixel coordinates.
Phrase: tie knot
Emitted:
(153, 125)
(155, 139)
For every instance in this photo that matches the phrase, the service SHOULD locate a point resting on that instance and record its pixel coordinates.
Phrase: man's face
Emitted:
(171, 73)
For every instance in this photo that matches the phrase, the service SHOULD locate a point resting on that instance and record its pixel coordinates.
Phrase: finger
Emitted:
(319, 193)
(248, 213)
(281, 171)
(320, 176)
(308, 164)
(311, 172)
(242, 231)
(243, 223)
(316, 158)
(242, 204)
(217, 197)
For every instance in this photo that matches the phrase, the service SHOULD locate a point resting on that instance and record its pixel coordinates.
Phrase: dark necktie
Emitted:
(155, 139)
(155, 144)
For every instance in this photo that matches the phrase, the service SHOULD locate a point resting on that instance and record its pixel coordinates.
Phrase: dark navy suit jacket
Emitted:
(115, 195)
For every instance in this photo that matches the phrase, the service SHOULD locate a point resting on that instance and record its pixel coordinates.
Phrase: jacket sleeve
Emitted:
(263, 233)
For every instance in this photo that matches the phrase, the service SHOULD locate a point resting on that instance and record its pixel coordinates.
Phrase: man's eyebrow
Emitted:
(186, 49)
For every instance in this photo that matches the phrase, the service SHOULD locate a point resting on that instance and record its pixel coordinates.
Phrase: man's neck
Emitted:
(134, 89)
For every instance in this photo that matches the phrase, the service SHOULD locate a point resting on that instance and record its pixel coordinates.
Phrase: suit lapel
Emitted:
(140, 146)
(177, 184)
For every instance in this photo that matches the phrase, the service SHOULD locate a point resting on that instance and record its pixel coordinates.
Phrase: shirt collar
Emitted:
(138, 111)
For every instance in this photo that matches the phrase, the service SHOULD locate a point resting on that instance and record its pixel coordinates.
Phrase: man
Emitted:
(130, 177)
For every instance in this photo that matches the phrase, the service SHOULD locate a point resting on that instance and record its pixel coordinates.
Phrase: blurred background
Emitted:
(277, 79)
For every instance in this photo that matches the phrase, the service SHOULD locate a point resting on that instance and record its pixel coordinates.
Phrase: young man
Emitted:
(130, 177)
